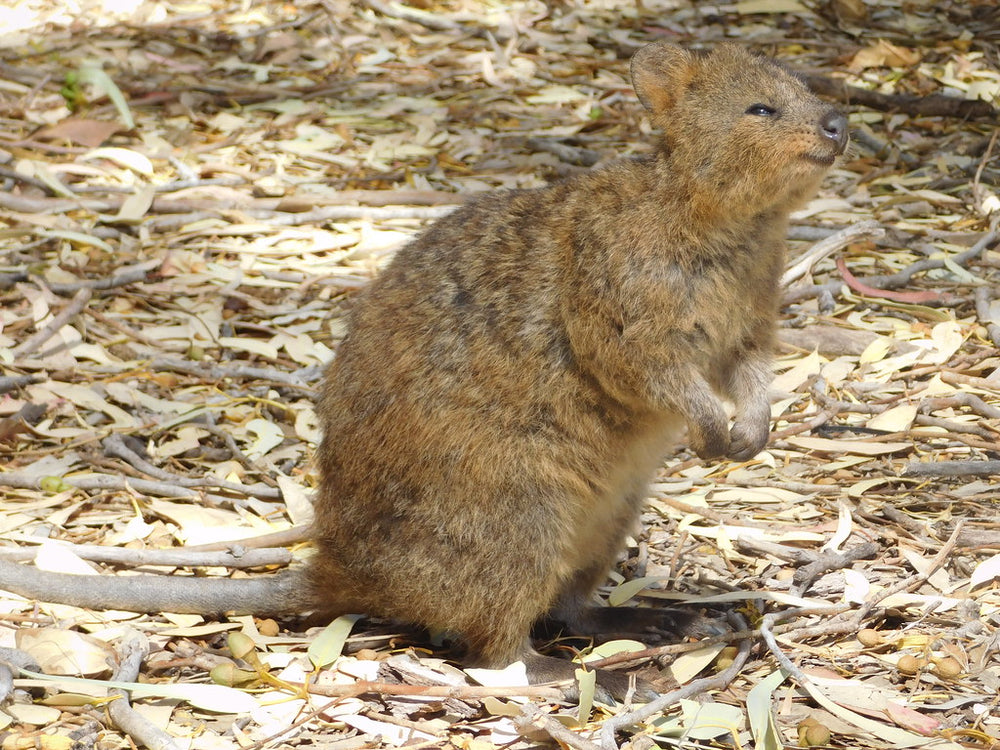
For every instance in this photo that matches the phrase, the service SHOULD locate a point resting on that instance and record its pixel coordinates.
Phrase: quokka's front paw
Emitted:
(710, 439)
(749, 435)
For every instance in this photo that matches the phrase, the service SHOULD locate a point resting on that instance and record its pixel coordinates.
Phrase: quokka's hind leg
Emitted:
(499, 637)
(575, 609)
(640, 623)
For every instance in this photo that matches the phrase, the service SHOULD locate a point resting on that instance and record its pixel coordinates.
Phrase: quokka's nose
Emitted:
(834, 126)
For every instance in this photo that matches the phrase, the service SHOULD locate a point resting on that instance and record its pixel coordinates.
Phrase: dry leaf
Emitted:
(883, 54)
(29, 713)
(985, 571)
(65, 652)
(770, 6)
(897, 419)
(860, 447)
(86, 132)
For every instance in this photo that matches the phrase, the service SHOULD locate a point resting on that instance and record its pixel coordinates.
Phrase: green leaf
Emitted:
(612, 648)
(54, 484)
(77, 238)
(328, 646)
(701, 721)
(586, 680)
(684, 668)
(209, 697)
(102, 81)
(625, 591)
(765, 733)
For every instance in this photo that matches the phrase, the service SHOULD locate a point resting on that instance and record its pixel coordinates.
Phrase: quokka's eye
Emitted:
(761, 110)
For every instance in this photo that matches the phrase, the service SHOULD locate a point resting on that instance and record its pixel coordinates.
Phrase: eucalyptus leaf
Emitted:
(765, 733)
(102, 81)
(586, 680)
(327, 647)
(215, 698)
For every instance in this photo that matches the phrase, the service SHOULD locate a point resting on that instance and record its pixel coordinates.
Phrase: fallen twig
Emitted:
(126, 276)
(10, 382)
(895, 280)
(828, 561)
(858, 616)
(817, 421)
(957, 428)
(295, 204)
(710, 514)
(794, 555)
(122, 328)
(982, 297)
(285, 732)
(182, 557)
(32, 344)
(918, 297)
(932, 105)
(828, 246)
(131, 651)
(372, 213)
(114, 445)
(532, 718)
(282, 538)
(951, 468)
(399, 197)
(695, 687)
(364, 687)
(235, 451)
(13, 174)
(167, 187)
(432, 21)
(915, 581)
(33, 205)
(765, 628)
(833, 626)
(957, 378)
(836, 406)
(109, 482)
(12, 661)
(970, 401)
(671, 649)
(231, 372)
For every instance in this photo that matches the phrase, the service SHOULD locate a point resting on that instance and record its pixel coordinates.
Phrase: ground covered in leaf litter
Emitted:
(192, 195)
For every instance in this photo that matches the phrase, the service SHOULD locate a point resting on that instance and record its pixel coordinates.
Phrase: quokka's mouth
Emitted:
(824, 160)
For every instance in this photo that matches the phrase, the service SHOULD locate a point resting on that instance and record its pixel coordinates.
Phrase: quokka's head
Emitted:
(741, 125)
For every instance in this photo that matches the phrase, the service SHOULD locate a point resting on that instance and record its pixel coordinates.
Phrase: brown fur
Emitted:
(510, 383)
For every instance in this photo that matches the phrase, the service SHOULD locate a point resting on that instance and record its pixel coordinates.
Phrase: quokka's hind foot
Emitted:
(640, 623)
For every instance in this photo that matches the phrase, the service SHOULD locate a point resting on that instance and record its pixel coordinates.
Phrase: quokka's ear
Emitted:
(660, 72)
